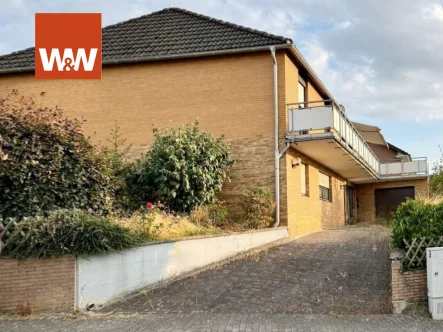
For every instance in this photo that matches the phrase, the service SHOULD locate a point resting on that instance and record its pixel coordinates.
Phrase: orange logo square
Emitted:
(68, 46)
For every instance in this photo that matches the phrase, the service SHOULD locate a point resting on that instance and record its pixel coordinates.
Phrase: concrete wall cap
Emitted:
(397, 254)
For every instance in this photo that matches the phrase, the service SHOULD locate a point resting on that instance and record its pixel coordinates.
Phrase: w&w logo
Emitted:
(68, 46)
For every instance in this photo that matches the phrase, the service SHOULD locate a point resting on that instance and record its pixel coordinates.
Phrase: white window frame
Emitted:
(324, 182)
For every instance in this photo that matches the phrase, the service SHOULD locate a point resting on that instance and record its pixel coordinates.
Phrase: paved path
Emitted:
(343, 271)
(228, 322)
(299, 286)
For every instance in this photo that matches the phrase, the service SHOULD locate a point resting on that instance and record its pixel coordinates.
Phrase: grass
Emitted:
(432, 199)
(166, 226)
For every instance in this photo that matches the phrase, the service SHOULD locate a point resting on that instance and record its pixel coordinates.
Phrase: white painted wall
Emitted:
(102, 278)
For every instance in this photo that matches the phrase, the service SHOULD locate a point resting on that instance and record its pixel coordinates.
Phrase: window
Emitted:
(324, 184)
(301, 91)
(304, 179)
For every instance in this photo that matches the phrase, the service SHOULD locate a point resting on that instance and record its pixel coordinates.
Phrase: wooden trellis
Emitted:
(7, 229)
(415, 255)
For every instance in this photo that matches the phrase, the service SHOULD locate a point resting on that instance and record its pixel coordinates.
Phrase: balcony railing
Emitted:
(413, 167)
(318, 119)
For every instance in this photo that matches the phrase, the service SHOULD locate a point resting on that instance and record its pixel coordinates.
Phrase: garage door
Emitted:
(387, 200)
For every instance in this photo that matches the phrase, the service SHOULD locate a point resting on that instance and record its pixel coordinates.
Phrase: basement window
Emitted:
(325, 187)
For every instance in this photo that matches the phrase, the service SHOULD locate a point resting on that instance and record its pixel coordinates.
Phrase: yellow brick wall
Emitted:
(313, 94)
(408, 286)
(37, 285)
(366, 195)
(307, 214)
(229, 95)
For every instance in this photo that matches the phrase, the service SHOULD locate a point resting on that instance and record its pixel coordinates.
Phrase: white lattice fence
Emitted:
(415, 255)
(7, 228)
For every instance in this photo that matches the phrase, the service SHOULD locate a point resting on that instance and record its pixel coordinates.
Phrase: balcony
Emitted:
(415, 167)
(322, 131)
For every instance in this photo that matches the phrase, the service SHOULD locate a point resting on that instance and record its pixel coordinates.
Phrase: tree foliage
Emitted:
(184, 168)
(436, 179)
(46, 162)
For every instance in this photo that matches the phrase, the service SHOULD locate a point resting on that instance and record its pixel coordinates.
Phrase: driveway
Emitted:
(292, 287)
(343, 271)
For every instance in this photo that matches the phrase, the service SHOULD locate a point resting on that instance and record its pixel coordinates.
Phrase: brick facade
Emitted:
(36, 286)
(408, 286)
(230, 95)
(309, 213)
(366, 195)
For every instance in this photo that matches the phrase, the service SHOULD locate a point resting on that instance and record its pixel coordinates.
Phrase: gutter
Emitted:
(165, 57)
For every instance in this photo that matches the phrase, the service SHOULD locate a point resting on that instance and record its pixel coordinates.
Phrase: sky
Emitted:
(381, 59)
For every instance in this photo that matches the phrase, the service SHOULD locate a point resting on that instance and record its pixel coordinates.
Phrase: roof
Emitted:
(370, 134)
(171, 32)
(397, 149)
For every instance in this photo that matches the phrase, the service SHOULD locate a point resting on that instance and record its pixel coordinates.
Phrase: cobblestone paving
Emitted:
(227, 322)
(343, 271)
(339, 272)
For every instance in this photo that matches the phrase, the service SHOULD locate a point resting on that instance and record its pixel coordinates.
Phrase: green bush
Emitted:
(69, 232)
(184, 168)
(213, 214)
(259, 208)
(416, 219)
(46, 162)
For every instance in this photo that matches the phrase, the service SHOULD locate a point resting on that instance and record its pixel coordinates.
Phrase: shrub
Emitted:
(184, 168)
(46, 162)
(259, 206)
(417, 219)
(69, 232)
(213, 214)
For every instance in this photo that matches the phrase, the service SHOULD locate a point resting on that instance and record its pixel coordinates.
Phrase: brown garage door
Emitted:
(387, 200)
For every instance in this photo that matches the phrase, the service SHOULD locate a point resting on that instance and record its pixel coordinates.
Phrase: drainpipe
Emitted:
(276, 151)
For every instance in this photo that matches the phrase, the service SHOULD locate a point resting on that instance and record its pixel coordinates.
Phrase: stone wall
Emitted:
(407, 287)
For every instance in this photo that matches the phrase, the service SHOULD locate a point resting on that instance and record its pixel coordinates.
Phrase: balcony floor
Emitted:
(327, 151)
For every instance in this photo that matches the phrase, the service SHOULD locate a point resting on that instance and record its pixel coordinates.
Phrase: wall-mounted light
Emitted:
(296, 162)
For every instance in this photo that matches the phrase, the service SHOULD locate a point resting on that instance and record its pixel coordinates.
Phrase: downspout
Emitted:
(277, 154)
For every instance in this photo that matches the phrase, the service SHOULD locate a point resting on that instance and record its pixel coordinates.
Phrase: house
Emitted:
(286, 130)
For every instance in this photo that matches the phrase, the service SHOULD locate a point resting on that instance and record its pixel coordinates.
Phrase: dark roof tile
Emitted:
(171, 31)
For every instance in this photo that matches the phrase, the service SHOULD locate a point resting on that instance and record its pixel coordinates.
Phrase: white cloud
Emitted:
(434, 11)
(382, 59)
(316, 56)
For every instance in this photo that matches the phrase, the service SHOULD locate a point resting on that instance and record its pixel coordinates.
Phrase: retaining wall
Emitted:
(102, 278)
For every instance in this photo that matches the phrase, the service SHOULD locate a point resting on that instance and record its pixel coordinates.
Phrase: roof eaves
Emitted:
(166, 57)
